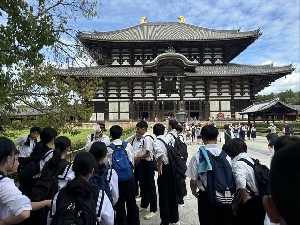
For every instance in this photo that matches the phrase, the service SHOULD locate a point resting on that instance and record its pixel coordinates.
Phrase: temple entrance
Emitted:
(194, 115)
(143, 115)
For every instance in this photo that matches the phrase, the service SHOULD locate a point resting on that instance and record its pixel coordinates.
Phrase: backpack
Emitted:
(181, 147)
(176, 162)
(193, 130)
(101, 182)
(29, 174)
(120, 162)
(262, 177)
(220, 187)
(76, 210)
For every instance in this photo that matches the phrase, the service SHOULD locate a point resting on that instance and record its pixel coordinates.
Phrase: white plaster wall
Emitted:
(124, 116)
(124, 106)
(113, 116)
(214, 106)
(225, 106)
(93, 117)
(113, 107)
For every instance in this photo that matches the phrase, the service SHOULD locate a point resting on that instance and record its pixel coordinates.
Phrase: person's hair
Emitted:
(285, 140)
(285, 182)
(46, 135)
(226, 126)
(7, 148)
(209, 132)
(179, 128)
(158, 129)
(37, 129)
(61, 144)
(173, 123)
(142, 124)
(116, 132)
(234, 147)
(268, 130)
(99, 151)
(83, 164)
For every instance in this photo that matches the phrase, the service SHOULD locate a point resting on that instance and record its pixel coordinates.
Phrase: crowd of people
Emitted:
(114, 181)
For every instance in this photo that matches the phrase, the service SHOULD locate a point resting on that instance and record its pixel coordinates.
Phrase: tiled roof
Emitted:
(222, 70)
(169, 31)
(262, 106)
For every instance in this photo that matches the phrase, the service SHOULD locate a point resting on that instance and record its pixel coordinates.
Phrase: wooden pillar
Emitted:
(132, 112)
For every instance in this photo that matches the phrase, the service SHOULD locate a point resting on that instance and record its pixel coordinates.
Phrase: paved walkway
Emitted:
(188, 215)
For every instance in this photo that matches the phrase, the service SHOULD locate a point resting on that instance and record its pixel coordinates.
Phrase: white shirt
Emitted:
(147, 146)
(192, 169)
(114, 185)
(243, 173)
(160, 148)
(48, 155)
(25, 150)
(170, 136)
(106, 215)
(12, 201)
(137, 146)
(105, 139)
(66, 176)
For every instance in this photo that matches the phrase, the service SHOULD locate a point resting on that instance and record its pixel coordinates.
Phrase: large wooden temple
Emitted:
(155, 69)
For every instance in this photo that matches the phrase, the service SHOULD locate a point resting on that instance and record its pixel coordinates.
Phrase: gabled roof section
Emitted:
(266, 105)
(168, 31)
(170, 54)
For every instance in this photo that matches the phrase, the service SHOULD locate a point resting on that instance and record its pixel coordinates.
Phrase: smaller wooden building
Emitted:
(270, 110)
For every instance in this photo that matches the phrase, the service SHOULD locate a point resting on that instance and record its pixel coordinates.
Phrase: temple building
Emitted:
(152, 70)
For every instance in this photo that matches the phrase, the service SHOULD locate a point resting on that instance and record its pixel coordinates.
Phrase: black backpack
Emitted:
(262, 177)
(76, 210)
(181, 147)
(176, 162)
(29, 174)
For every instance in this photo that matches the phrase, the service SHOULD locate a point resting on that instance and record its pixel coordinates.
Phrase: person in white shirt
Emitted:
(248, 207)
(148, 188)
(208, 214)
(137, 146)
(130, 213)
(83, 167)
(168, 205)
(27, 143)
(98, 136)
(14, 206)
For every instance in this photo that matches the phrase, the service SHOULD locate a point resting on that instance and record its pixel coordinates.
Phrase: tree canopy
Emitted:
(289, 97)
(35, 38)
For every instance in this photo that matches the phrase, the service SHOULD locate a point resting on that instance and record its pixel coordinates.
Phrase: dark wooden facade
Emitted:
(154, 69)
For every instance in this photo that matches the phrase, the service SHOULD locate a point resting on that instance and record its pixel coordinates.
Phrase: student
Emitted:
(41, 153)
(14, 206)
(27, 143)
(99, 151)
(168, 207)
(208, 214)
(248, 207)
(62, 147)
(227, 133)
(137, 146)
(79, 188)
(126, 188)
(271, 137)
(147, 182)
(283, 205)
(98, 136)
(179, 130)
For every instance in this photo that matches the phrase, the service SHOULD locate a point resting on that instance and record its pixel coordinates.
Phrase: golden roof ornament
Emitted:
(143, 19)
(181, 19)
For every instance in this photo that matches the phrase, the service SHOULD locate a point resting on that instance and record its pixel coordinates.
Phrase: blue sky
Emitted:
(278, 20)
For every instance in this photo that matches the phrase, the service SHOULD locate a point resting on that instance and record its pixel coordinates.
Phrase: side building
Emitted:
(152, 70)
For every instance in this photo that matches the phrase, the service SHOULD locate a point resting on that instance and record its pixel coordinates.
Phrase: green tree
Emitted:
(289, 97)
(31, 36)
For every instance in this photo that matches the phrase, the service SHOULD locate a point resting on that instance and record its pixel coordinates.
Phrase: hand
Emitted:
(234, 208)
(137, 158)
(195, 193)
(245, 199)
(159, 169)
